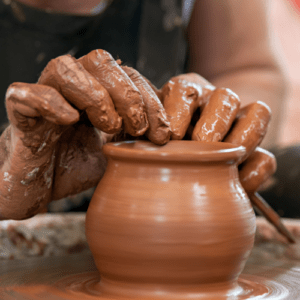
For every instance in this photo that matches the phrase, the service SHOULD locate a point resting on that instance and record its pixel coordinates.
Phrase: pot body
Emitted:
(169, 223)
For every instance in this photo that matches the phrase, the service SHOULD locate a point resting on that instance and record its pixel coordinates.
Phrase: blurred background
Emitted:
(285, 22)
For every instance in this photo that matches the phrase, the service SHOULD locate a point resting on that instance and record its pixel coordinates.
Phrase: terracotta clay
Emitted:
(271, 273)
(258, 167)
(45, 155)
(182, 95)
(159, 127)
(81, 89)
(126, 97)
(166, 225)
(217, 116)
(250, 126)
(157, 91)
(254, 172)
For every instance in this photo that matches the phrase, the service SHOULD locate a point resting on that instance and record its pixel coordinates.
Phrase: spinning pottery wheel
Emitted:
(273, 263)
(176, 248)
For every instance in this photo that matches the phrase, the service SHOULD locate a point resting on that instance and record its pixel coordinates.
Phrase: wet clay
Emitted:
(250, 126)
(182, 95)
(157, 91)
(45, 155)
(159, 127)
(80, 88)
(258, 167)
(253, 173)
(51, 149)
(217, 116)
(86, 286)
(89, 285)
(126, 97)
(149, 230)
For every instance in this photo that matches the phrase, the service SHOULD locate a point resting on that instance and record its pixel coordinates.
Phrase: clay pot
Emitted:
(170, 221)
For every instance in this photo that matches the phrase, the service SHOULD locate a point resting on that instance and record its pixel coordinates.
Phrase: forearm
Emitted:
(26, 178)
(229, 44)
(259, 83)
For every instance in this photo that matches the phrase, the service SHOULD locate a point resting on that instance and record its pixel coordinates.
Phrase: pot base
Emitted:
(87, 286)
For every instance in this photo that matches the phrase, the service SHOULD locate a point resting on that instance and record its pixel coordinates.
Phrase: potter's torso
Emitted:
(132, 31)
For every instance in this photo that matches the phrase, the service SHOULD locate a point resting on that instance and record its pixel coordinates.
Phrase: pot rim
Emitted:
(179, 151)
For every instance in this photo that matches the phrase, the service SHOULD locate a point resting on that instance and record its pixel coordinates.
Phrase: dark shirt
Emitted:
(130, 30)
(29, 38)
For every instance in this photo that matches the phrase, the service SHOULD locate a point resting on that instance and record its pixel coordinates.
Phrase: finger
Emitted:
(254, 172)
(80, 88)
(195, 78)
(126, 97)
(159, 127)
(24, 100)
(154, 88)
(217, 116)
(250, 127)
(258, 167)
(181, 98)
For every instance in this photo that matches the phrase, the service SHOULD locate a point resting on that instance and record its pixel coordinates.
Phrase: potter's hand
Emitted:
(181, 96)
(51, 148)
(221, 118)
(257, 169)
(47, 152)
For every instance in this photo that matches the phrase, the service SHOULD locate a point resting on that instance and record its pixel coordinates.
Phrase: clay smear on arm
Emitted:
(182, 95)
(250, 126)
(125, 95)
(258, 167)
(217, 116)
(159, 127)
(80, 88)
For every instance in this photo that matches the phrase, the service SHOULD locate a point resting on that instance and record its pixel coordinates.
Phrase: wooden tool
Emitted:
(267, 211)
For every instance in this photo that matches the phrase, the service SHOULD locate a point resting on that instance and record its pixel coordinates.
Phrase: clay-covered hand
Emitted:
(181, 96)
(220, 119)
(52, 147)
(257, 169)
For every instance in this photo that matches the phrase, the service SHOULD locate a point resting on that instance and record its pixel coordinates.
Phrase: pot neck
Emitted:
(175, 151)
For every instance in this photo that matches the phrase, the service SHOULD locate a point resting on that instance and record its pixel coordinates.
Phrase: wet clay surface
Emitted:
(152, 231)
(272, 270)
